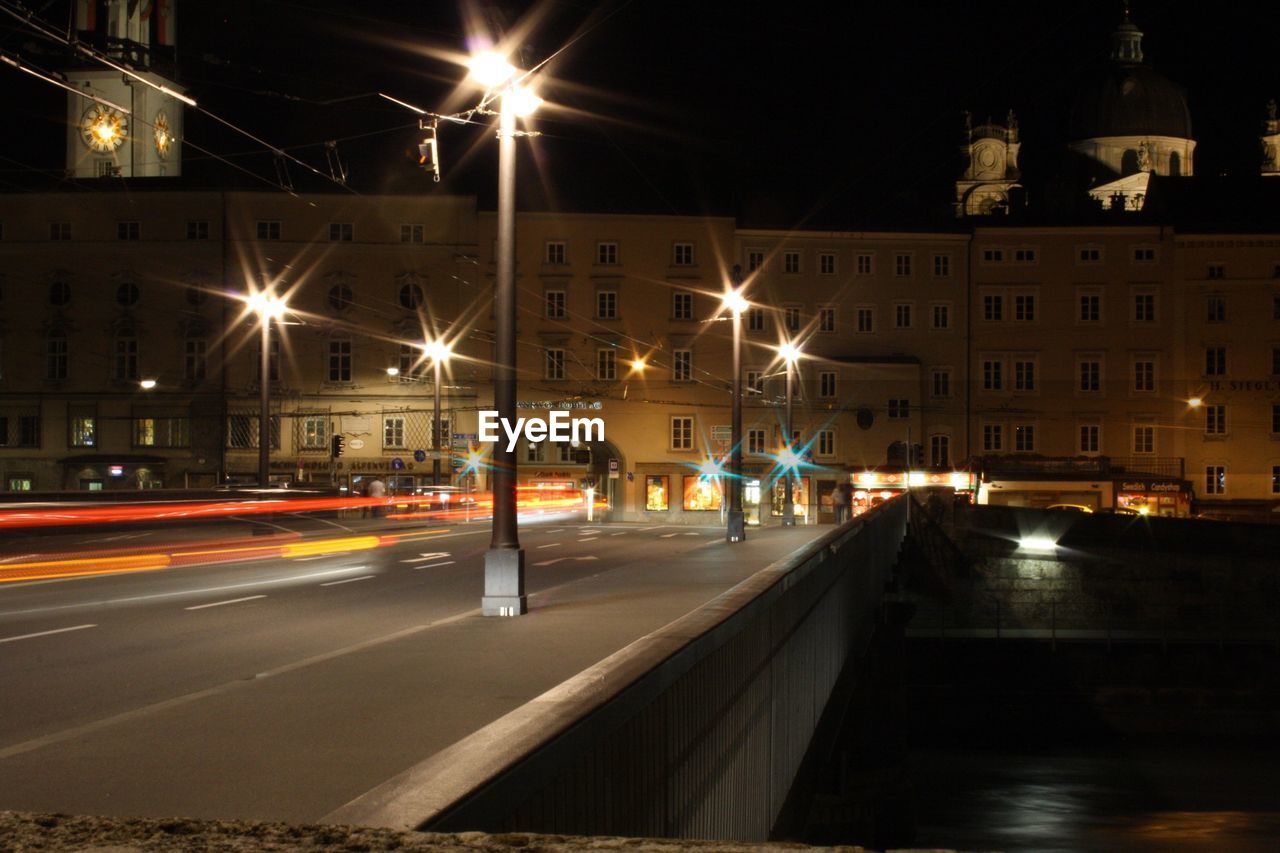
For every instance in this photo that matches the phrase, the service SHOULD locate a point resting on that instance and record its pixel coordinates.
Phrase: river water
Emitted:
(1140, 798)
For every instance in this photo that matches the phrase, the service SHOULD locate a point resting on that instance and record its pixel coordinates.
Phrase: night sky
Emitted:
(804, 114)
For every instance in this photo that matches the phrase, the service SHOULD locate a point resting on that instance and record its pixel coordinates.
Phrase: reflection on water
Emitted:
(1131, 799)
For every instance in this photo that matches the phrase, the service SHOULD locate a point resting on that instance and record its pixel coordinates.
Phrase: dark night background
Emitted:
(822, 115)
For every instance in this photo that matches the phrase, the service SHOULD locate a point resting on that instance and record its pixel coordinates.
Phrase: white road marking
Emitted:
(589, 539)
(228, 601)
(347, 580)
(557, 530)
(433, 565)
(427, 555)
(552, 545)
(693, 534)
(668, 535)
(623, 533)
(316, 557)
(655, 527)
(119, 536)
(46, 633)
(562, 559)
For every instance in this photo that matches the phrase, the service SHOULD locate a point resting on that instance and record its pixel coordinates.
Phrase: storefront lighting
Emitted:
(869, 478)
(916, 478)
(959, 480)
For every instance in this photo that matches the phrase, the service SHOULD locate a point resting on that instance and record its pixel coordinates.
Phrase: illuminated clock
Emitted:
(163, 136)
(103, 129)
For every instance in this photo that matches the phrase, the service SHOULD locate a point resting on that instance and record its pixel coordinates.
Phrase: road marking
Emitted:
(552, 545)
(557, 530)
(693, 534)
(589, 539)
(119, 537)
(655, 527)
(317, 557)
(623, 533)
(427, 555)
(228, 601)
(668, 535)
(46, 633)
(344, 580)
(562, 559)
(433, 565)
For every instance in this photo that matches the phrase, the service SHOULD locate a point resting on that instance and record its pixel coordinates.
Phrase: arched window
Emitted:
(1175, 164)
(55, 349)
(340, 297)
(411, 296)
(1129, 162)
(59, 292)
(126, 355)
(127, 294)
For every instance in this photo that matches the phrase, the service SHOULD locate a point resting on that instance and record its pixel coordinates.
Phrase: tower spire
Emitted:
(1126, 41)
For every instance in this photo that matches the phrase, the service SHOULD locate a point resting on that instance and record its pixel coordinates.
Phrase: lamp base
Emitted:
(504, 583)
(737, 528)
(788, 515)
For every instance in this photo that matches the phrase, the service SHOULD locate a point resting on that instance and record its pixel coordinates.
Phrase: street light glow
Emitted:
(266, 305)
(735, 302)
(789, 352)
(638, 365)
(523, 101)
(490, 69)
(1194, 402)
(438, 351)
(393, 371)
(147, 384)
(788, 458)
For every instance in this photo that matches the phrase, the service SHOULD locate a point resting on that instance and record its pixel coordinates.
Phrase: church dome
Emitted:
(1129, 98)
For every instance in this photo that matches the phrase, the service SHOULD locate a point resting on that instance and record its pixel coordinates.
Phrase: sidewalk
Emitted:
(298, 742)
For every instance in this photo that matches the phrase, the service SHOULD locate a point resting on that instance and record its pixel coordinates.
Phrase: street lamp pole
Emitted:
(736, 529)
(788, 501)
(264, 402)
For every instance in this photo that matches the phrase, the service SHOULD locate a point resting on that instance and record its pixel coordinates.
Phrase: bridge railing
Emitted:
(694, 731)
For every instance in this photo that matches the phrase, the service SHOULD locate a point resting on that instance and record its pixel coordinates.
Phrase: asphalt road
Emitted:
(282, 688)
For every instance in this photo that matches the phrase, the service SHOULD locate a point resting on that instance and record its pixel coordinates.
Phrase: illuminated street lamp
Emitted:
(790, 354)
(439, 352)
(735, 303)
(268, 308)
(504, 593)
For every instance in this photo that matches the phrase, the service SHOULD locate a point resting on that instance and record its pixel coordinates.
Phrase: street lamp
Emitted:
(790, 354)
(268, 308)
(735, 303)
(439, 352)
(504, 593)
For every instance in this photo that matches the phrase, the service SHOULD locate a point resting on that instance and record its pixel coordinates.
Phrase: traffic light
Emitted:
(338, 446)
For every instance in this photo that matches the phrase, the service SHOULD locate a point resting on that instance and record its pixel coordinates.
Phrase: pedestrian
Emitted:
(377, 489)
(840, 503)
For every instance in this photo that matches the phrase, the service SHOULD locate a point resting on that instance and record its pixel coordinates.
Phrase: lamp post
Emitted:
(267, 307)
(736, 529)
(504, 593)
(790, 355)
(439, 352)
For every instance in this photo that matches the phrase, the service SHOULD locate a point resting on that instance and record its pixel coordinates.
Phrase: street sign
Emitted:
(721, 433)
(397, 464)
(613, 469)
(355, 443)
(419, 456)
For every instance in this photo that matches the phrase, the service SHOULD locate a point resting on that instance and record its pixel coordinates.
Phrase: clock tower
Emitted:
(137, 132)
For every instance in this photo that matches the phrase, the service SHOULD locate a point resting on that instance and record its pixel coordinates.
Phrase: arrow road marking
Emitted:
(424, 556)
(668, 535)
(561, 559)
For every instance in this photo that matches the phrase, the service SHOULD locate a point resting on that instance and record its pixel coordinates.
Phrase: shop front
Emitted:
(1170, 498)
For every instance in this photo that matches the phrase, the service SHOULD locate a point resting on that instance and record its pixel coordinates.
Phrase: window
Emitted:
(1024, 256)
(606, 305)
(993, 256)
(1215, 309)
(701, 493)
(1024, 438)
(412, 362)
(340, 297)
(939, 451)
(606, 254)
(565, 453)
(82, 425)
(268, 229)
(902, 316)
(1215, 420)
(682, 254)
(315, 432)
(341, 232)
(1216, 271)
(195, 360)
(791, 262)
(865, 265)
(755, 382)
(1275, 361)
(899, 408)
(1215, 479)
(1089, 255)
(826, 319)
(657, 492)
(827, 383)
(1024, 307)
(682, 433)
(756, 439)
(410, 296)
(393, 431)
(826, 442)
(1144, 438)
(606, 364)
(682, 305)
(1275, 480)
(941, 266)
(1215, 361)
(682, 365)
(992, 307)
(55, 363)
(161, 432)
(902, 265)
(1144, 255)
(940, 381)
(826, 264)
(555, 304)
(1090, 438)
(1089, 372)
(992, 374)
(993, 437)
(59, 230)
(412, 233)
(755, 319)
(127, 294)
(1090, 305)
(1024, 375)
(791, 317)
(126, 357)
(339, 361)
(533, 452)
(1144, 375)
(755, 260)
(131, 230)
(1144, 307)
(941, 317)
(1275, 418)
(866, 320)
(554, 365)
(28, 431)
(555, 252)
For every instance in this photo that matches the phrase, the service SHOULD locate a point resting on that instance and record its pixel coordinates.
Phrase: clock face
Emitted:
(163, 136)
(103, 129)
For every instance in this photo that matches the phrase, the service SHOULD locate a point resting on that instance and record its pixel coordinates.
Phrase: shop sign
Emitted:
(1244, 385)
(1144, 486)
